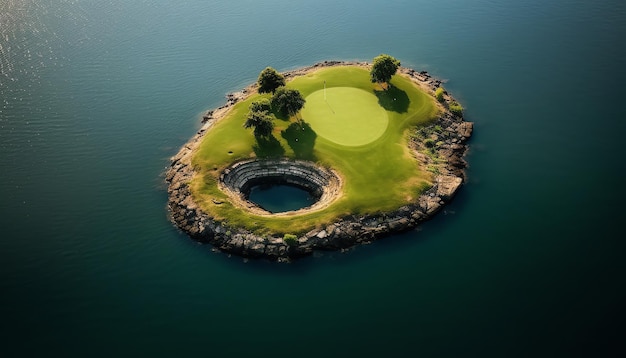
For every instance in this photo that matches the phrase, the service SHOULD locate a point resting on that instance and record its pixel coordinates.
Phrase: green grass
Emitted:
(345, 115)
(379, 175)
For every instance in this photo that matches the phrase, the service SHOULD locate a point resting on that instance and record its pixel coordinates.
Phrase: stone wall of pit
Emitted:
(323, 184)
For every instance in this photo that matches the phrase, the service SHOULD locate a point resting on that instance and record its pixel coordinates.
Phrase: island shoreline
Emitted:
(450, 131)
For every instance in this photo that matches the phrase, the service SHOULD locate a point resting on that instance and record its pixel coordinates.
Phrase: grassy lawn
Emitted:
(346, 115)
(377, 168)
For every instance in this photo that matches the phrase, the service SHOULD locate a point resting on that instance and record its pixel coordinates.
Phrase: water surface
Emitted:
(280, 198)
(96, 96)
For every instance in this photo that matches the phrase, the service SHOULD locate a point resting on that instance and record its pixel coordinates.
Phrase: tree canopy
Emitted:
(384, 68)
(261, 105)
(260, 118)
(261, 121)
(269, 80)
(287, 101)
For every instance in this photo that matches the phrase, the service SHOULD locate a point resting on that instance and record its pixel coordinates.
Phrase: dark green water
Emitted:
(280, 198)
(95, 96)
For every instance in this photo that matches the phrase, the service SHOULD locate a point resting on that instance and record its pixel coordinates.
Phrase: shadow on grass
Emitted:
(268, 147)
(393, 99)
(301, 138)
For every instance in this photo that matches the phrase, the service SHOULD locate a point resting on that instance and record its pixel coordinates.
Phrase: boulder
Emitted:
(465, 129)
(447, 186)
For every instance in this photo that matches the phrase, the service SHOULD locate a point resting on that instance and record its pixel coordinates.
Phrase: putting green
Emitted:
(345, 115)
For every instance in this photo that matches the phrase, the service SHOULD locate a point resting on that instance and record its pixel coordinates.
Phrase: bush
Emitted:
(429, 143)
(439, 94)
(290, 239)
(433, 169)
(456, 108)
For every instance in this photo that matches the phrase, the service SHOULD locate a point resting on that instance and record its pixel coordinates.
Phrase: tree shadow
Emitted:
(301, 138)
(268, 147)
(393, 99)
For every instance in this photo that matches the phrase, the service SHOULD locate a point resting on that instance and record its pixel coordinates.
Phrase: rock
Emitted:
(417, 215)
(399, 224)
(271, 251)
(430, 204)
(465, 129)
(257, 249)
(447, 186)
(322, 234)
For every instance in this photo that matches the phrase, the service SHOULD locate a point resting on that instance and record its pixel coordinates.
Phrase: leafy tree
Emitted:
(262, 122)
(262, 105)
(269, 80)
(384, 68)
(287, 101)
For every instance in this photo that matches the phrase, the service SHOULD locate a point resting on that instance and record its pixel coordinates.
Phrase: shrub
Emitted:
(429, 143)
(433, 169)
(290, 239)
(439, 94)
(456, 108)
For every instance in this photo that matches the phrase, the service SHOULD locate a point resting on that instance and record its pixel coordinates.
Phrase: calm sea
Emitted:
(96, 96)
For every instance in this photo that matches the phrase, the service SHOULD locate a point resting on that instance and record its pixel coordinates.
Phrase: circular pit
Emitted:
(238, 179)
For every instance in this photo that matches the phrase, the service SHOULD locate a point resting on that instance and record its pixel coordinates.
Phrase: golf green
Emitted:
(345, 115)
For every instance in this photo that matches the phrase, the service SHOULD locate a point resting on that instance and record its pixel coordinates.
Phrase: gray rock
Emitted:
(447, 186)
(465, 129)
(399, 224)
(322, 234)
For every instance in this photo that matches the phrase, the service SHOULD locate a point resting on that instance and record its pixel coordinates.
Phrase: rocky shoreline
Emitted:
(440, 147)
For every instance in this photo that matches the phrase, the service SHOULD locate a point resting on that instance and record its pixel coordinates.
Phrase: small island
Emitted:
(379, 147)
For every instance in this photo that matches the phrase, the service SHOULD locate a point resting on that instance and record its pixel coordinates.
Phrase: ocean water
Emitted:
(96, 96)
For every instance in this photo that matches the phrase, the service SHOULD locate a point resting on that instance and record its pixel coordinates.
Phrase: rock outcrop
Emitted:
(439, 147)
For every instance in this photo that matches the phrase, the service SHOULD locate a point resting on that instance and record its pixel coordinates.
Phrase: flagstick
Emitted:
(331, 108)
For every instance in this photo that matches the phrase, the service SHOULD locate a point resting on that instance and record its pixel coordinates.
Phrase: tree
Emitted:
(287, 101)
(269, 80)
(384, 68)
(262, 122)
(262, 105)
